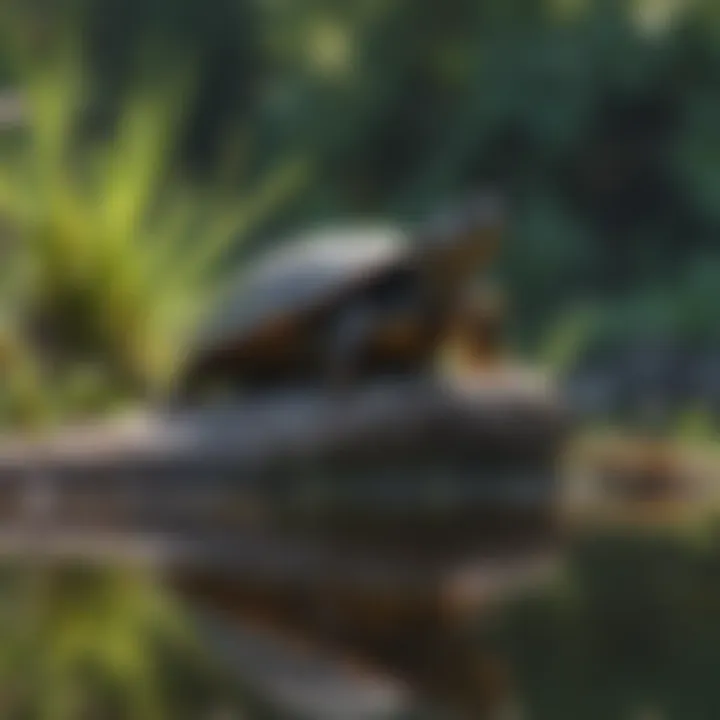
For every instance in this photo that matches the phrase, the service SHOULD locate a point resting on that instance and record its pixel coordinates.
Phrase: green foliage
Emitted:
(82, 642)
(109, 260)
(568, 339)
(696, 424)
(596, 117)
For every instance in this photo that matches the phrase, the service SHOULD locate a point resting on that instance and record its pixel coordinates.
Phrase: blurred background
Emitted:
(148, 148)
(594, 119)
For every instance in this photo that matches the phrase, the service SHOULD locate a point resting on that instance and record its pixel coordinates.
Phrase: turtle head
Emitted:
(464, 238)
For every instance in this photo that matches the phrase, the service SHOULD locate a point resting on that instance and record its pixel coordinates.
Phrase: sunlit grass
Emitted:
(109, 258)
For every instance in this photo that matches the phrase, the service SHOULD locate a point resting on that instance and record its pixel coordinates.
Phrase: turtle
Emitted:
(340, 303)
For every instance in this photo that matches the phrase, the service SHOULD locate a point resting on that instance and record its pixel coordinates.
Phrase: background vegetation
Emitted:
(596, 119)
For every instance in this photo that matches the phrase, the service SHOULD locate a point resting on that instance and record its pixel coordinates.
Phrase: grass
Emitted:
(109, 260)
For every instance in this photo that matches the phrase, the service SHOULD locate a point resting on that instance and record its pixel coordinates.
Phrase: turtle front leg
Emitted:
(346, 347)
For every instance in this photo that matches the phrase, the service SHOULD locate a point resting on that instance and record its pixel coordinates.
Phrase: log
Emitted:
(407, 416)
(221, 495)
(392, 465)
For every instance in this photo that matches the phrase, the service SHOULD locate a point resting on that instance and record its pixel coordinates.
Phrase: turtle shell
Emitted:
(298, 277)
(268, 321)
